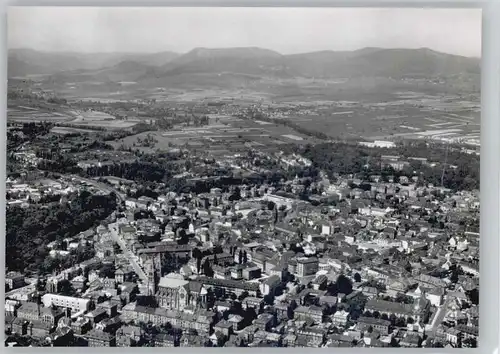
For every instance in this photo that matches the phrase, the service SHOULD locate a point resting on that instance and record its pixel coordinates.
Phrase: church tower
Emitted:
(150, 270)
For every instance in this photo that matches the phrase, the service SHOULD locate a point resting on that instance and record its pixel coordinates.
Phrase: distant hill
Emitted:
(153, 59)
(377, 62)
(229, 67)
(18, 67)
(251, 61)
(367, 62)
(27, 61)
(124, 71)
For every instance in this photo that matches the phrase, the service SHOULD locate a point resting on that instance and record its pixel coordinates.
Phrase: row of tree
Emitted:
(450, 167)
(30, 230)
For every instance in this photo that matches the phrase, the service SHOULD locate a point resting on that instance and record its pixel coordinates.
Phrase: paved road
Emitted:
(101, 186)
(113, 228)
(131, 257)
(441, 312)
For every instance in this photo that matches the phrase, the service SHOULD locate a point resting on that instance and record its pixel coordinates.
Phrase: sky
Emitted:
(286, 30)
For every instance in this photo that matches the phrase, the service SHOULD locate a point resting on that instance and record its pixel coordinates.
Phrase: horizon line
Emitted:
(246, 47)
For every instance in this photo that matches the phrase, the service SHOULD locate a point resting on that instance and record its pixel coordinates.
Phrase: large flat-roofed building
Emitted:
(419, 310)
(14, 280)
(307, 266)
(73, 303)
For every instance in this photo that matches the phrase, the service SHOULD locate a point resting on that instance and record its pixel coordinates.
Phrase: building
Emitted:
(96, 338)
(435, 296)
(175, 293)
(164, 340)
(340, 318)
(109, 307)
(377, 324)
(418, 311)
(81, 326)
(225, 327)
(172, 292)
(128, 336)
(14, 280)
(270, 285)
(199, 320)
(52, 284)
(33, 312)
(74, 303)
(307, 266)
(230, 286)
(96, 315)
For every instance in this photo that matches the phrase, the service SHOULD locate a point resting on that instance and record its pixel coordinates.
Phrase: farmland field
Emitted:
(411, 115)
(76, 119)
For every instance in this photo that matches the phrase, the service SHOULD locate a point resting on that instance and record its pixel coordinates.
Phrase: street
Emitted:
(101, 186)
(131, 257)
(441, 312)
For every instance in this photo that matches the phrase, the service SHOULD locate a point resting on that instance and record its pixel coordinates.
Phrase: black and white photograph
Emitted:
(242, 177)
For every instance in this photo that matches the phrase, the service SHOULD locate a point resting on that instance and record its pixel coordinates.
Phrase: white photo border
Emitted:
(489, 329)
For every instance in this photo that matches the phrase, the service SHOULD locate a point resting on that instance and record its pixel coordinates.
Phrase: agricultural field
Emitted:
(408, 114)
(67, 130)
(22, 114)
(99, 119)
(224, 135)
(77, 120)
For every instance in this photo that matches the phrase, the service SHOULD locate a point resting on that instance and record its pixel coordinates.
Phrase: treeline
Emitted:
(21, 94)
(19, 134)
(273, 178)
(136, 129)
(257, 115)
(59, 163)
(450, 167)
(76, 257)
(29, 230)
(92, 145)
(139, 171)
(168, 123)
(86, 127)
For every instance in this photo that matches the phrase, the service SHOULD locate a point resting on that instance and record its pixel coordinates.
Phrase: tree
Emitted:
(469, 343)
(473, 296)
(198, 265)
(344, 285)
(400, 322)
(243, 295)
(357, 277)
(30, 230)
(196, 253)
(66, 288)
(107, 271)
(207, 268)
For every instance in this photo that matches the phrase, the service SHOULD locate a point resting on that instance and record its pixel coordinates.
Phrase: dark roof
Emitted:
(382, 305)
(374, 321)
(164, 337)
(228, 283)
(99, 335)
